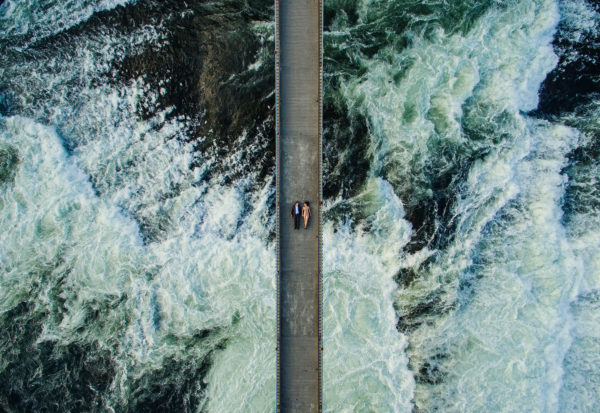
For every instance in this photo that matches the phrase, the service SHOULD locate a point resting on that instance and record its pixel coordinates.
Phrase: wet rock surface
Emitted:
(575, 81)
(215, 73)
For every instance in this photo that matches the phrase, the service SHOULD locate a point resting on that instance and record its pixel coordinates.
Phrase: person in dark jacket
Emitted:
(296, 214)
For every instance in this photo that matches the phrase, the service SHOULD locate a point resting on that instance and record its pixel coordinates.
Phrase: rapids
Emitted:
(496, 274)
(461, 229)
(137, 262)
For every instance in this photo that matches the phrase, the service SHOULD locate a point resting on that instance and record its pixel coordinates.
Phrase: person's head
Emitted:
(306, 203)
(297, 203)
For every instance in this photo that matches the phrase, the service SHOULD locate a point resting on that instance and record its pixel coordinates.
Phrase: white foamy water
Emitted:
(111, 234)
(579, 17)
(504, 346)
(365, 366)
(513, 296)
(26, 17)
(110, 229)
(208, 274)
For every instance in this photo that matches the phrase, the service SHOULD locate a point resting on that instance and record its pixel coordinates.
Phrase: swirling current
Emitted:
(137, 206)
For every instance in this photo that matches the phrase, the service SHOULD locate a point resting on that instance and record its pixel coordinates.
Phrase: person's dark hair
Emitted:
(307, 203)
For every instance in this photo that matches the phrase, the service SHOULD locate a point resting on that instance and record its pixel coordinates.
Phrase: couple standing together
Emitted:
(300, 211)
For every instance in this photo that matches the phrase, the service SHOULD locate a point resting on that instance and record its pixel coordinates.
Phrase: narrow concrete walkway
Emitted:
(299, 179)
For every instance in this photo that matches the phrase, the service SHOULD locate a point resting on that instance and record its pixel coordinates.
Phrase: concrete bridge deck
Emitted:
(298, 133)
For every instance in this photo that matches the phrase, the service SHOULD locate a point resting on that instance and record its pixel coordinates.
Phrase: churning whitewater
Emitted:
(461, 167)
(137, 205)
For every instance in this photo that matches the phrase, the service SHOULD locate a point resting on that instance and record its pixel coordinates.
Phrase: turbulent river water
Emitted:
(461, 184)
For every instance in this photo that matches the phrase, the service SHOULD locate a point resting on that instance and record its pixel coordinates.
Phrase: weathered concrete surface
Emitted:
(299, 30)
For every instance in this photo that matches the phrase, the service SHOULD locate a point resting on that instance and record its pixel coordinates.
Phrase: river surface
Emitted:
(137, 206)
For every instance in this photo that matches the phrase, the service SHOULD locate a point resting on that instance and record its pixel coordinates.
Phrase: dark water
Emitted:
(475, 123)
(461, 240)
(136, 150)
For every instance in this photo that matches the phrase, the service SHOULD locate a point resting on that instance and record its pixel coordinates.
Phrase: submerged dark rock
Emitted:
(431, 372)
(9, 160)
(178, 386)
(571, 92)
(48, 376)
(52, 376)
(6, 103)
(211, 71)
(202, 73)
(345, 149)
(575, 81)
(582, 191)
(427, 187)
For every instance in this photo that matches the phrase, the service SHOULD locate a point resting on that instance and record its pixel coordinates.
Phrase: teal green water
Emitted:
(461, 234)
(457, 278)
